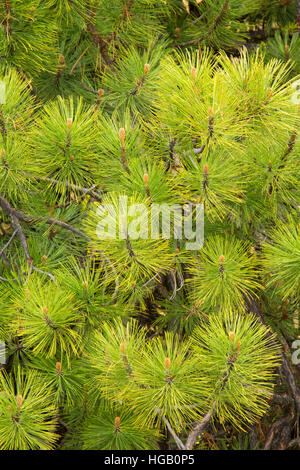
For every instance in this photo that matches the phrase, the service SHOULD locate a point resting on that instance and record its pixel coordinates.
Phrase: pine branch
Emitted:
(50, 221)
(220, 16)
(98, 41)
(74, 187)
(201, 426)
(16, 216)
(8, 243)
(178, 441)
(276, 428)
(6, 21)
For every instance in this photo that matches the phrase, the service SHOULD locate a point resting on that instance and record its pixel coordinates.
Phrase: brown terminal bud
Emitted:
(58, 368)
(177, 32)
(32, 10)
(45, 310)
(122, 347)
(85, 283)
(205, 169)
(146, 179)
(222, 259)
(146, 68)
(28, 294)
(69, 123)
(167, 363)
(117, 423)
(122, 136)
(71, 158)
(123, 220)
(19, 401)
(61, 60)
(193, 72)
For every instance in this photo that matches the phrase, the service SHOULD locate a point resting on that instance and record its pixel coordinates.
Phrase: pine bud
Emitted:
(19, 401)
(28, 294)
(211, 113)
(167, 363)
(193, 72)
(32, 11)
(238, 347)
(85, 283)
(146, 179)
(69, 123)
(123, 220)
(187, 5)
(122, 347)
(146, 68)
(205, 169)
(177, 32)
(99, 98)
(269, 93)
(231, 336)
(122, 136)
(222, 259)
(71, 158)
(61, 60)
(45, 310)
(117, 423)
(58, 368)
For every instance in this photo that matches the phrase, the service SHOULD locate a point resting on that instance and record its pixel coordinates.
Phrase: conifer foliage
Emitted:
(136, 343)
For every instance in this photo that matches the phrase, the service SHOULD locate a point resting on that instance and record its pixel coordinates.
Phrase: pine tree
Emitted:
(125, 342)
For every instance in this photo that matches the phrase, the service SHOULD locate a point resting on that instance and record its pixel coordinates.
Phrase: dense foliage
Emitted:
(141, 342)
